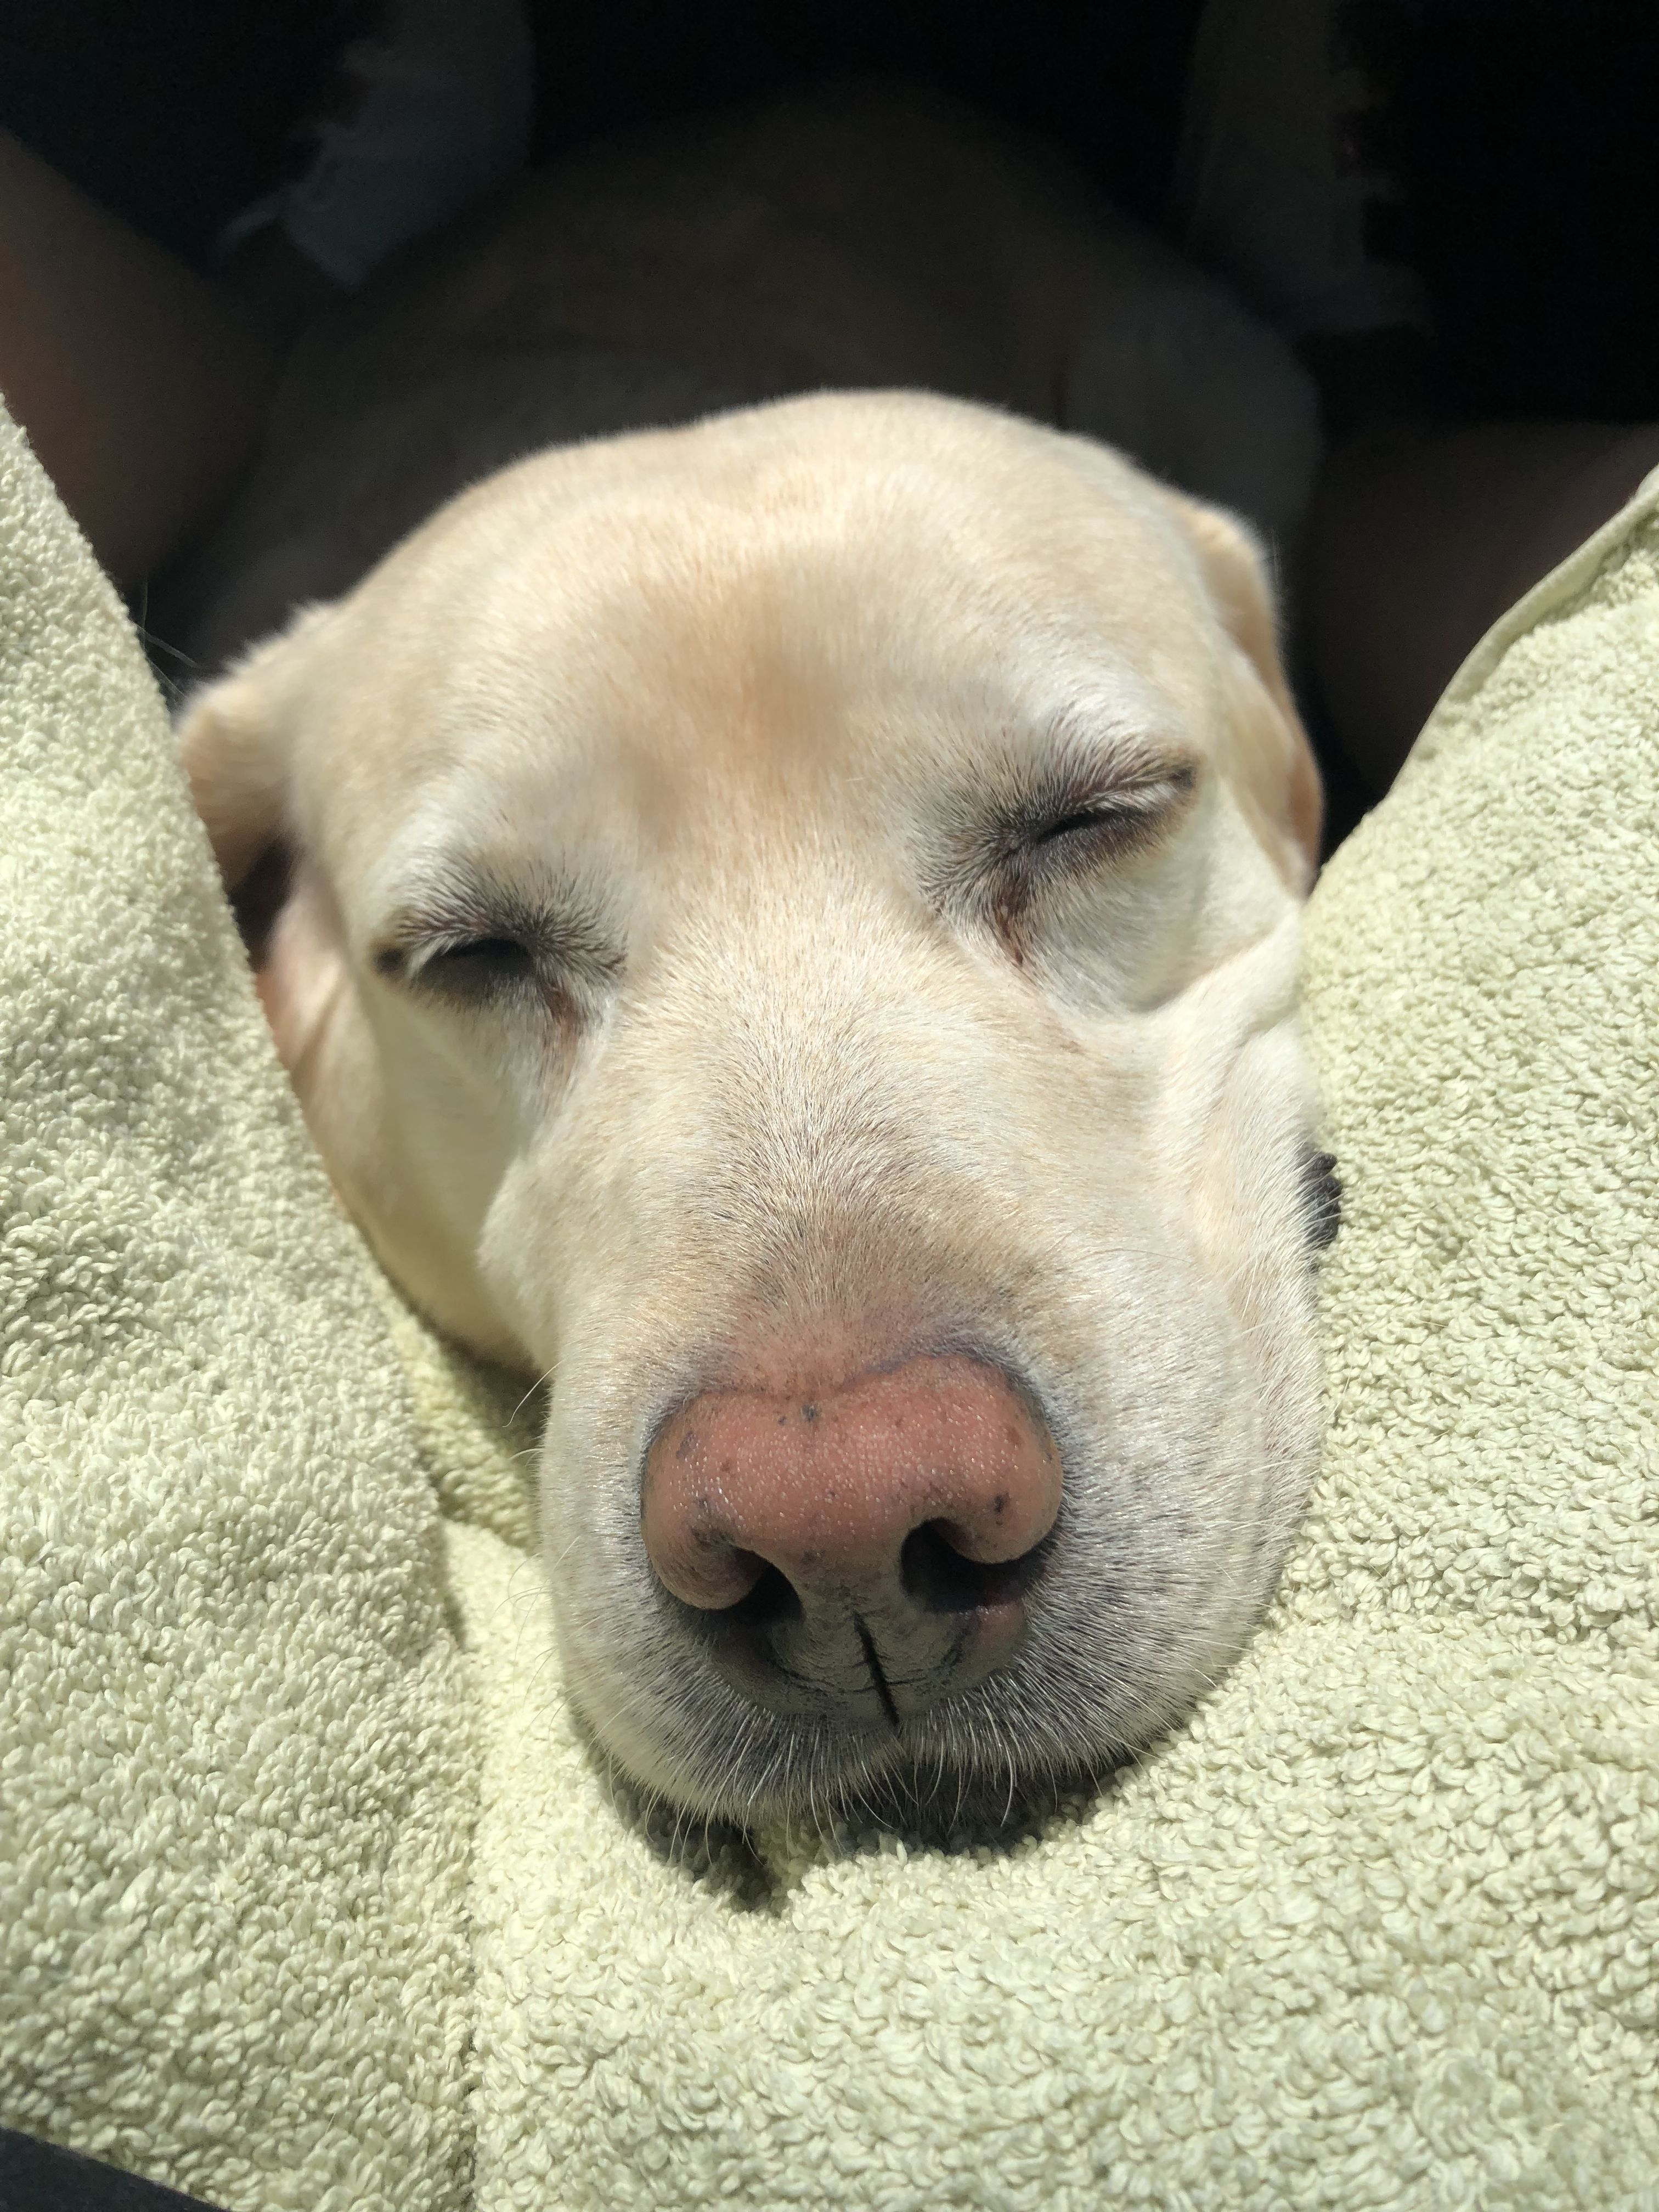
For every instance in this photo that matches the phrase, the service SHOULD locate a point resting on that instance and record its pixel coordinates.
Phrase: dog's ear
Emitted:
(235, 735)
(1273, 767)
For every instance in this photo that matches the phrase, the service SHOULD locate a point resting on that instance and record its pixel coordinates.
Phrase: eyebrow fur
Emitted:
(461, 901)
(1017, 793)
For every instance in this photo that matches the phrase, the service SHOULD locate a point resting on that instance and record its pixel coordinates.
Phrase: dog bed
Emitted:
(312, 1895)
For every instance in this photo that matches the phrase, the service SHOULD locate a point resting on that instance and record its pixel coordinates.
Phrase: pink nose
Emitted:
(830, 1490)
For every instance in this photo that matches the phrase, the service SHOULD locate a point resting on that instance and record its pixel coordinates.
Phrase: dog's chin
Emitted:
(982, 1760)
(971, 1771)
(927, 1801)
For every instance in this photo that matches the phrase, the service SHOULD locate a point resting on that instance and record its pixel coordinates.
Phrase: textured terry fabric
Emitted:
(1380, 1927)
(1377, 1929)
(236, 1776)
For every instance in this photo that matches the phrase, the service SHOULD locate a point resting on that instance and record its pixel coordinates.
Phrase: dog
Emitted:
(793, 928)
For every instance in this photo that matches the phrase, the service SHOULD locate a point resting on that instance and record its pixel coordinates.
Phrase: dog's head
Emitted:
(793, 935)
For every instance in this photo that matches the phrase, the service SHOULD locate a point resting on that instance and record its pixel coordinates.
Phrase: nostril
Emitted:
(753, 1641)
(938, 1578)
(769, 1604)
(929, 1486)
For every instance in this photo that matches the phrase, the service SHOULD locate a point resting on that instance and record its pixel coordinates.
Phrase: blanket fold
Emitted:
(236, 1774)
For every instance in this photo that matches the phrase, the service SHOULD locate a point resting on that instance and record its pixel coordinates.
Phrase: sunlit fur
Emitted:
(822, 1057)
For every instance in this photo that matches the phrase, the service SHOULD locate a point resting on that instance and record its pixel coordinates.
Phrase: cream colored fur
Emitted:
(891, 823)
(824, 1042)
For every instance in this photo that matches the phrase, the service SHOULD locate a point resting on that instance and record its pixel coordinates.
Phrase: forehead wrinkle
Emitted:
(732, 657)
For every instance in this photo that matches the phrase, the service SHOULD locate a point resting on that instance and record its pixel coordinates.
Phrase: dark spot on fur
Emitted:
(1321, 1196)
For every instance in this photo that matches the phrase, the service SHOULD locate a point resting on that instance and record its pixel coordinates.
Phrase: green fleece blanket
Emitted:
(1379, 1928)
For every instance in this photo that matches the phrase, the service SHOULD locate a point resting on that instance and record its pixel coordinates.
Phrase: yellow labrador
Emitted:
(793, 936)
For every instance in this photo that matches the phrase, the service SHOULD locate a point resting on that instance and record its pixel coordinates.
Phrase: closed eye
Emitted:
(1083, 826)
(1066, 826)
(479, 960)
(493, 971)
(469, 969)
(1123, 818)
(463, 939)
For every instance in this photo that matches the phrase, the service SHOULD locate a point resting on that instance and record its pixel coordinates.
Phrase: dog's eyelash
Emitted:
(1116, 821)
(469, 940)
(1068, 830)
(486, 968)
(469, 968)
(1125, 816)
(480, 955)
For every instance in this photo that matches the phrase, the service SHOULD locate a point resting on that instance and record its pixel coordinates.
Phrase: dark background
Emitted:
(1526, 133)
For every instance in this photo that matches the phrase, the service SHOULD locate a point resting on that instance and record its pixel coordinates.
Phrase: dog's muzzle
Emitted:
(855, 1555)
